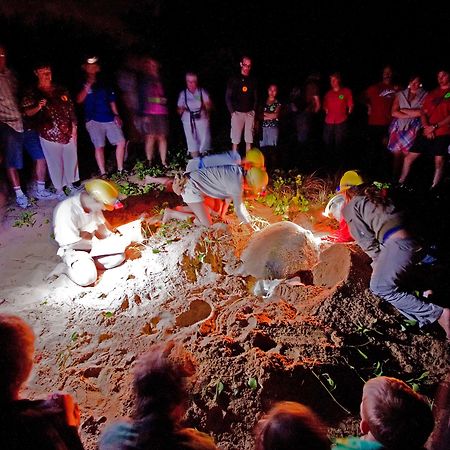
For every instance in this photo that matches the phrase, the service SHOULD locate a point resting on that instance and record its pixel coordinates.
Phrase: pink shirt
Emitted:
(155, 100)
(337, 104)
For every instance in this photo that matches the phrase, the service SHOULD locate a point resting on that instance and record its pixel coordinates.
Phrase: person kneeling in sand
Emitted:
(86, 240)
(211, 178)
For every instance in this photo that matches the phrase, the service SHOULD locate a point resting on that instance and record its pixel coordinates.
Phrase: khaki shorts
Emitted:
(242, 121)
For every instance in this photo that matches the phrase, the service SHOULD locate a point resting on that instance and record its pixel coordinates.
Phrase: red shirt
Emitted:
(380, 97)
(337, 105)
(436, 106)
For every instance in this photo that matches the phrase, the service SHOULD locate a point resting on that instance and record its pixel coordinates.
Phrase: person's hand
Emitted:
(42, 103)
(428, 132)
(118, 121)
(69, 406)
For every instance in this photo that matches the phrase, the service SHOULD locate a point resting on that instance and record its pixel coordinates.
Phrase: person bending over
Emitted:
(86, 240)
(379, 229)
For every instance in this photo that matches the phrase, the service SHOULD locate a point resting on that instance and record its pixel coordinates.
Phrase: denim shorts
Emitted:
(13, 142)
(99, 131)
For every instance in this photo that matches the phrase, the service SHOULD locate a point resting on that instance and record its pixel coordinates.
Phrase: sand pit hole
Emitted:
(262, 341)
(198, 310)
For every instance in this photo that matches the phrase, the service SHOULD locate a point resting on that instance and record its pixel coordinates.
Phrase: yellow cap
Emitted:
(254, 158)
(103, 191)
(349, 179)
(257, 178)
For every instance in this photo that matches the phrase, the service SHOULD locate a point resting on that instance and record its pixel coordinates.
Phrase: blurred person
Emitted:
(435, 138)
(338, 105)
(14, 137)
(57, 127)
(289, 426)
(101, 115)
(270, 125)
(406, 111)
(154, 110)
(241, 100)
(379, 228)
(160, 397)
(194, 106)
(50, 424)
(77, 221)
(393, 416)
(305, 104)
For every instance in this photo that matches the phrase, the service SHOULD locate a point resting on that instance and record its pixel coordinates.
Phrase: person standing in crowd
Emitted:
(194, 105)
(14, 137)
(305, 105)
(50, 424)
(57, 126)
(379, 98)
(154, 110)
(101, 115)
(406, 122)
(270, 125)
(435, 139)
(241, 100)
(338, 105)
(379, 228)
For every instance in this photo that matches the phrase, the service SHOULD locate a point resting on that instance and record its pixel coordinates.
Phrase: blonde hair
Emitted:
(16, 354)
(396, 416)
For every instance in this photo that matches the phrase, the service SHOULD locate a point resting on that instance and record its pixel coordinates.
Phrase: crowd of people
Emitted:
(132, 106)
(392, 415)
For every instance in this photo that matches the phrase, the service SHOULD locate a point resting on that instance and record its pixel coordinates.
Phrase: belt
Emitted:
(391, 232)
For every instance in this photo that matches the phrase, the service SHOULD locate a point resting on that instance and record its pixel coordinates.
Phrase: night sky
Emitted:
(287, 39)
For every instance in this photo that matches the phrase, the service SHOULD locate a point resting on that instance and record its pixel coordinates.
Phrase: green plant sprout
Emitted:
(26, 219)
(252, 383)
(416, 382)
(219, 390)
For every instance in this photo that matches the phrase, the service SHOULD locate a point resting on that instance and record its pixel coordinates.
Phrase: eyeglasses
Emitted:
(246, 65)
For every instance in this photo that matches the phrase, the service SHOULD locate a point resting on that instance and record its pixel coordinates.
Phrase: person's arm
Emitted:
(316, 101)
(396, 111)
(115, 111)
(350, 103)
(228, 96)
(360, 231)
(81, 96)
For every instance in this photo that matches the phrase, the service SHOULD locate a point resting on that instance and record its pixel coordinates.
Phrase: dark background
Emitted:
(286, 39)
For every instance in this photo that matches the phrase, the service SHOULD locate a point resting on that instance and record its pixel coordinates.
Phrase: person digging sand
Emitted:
(379, 229)
(208, 186)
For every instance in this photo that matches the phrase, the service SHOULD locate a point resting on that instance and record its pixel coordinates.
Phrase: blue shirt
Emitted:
(97, 104)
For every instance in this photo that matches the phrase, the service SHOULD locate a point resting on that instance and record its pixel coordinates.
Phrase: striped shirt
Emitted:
(9, 110)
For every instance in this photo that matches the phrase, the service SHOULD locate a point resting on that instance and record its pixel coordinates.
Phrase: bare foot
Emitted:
(444, 322)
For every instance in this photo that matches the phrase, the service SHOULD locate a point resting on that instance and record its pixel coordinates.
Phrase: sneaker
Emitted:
(44, 194)
(23, 201)
(61, 196)
(72, 190)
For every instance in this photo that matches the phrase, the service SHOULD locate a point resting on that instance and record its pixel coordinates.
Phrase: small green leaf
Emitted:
(219, 389)
(74, 336)
(156, 250)
(108, 314)
(252, 383)
(415, 387)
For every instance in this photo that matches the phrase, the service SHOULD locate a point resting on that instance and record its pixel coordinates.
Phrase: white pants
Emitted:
(62, 162)
(82, 268)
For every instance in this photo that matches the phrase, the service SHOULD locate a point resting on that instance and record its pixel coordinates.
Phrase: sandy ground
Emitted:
(314, 340)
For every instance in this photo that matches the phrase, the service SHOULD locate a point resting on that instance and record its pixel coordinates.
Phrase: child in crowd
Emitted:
(50, 424)
(393, 417)
(291, 425)
(160, 402)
